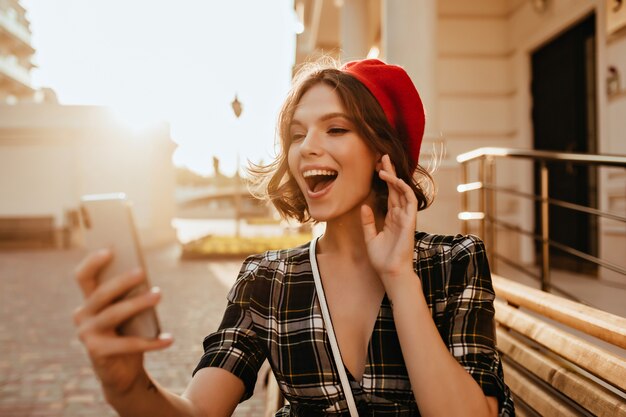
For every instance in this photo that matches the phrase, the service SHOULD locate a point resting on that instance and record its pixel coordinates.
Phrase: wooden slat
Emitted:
(585, 392)
(522, 410)
(535, 396)
(520, 413)
(605, 326)
(599, 362)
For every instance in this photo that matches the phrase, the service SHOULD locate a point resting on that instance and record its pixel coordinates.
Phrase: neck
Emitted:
(344, 236)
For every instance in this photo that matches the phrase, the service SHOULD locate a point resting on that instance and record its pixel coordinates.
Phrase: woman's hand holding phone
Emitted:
(117, 359)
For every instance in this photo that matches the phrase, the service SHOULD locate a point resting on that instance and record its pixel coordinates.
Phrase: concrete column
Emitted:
(409, 39)
(355, 42)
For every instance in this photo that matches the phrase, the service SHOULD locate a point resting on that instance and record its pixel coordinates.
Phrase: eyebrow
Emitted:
(325, 117)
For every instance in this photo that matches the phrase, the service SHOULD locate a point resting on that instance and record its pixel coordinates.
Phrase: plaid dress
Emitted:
(273, 312)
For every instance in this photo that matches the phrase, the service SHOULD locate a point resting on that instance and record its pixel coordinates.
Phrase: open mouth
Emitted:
(318, 180)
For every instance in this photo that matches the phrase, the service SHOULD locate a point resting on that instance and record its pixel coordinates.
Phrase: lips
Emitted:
(319, 181)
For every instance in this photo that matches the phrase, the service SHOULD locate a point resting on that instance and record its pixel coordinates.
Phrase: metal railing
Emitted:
(486, 214)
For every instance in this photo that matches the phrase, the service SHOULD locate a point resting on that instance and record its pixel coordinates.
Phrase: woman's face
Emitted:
(331, 163)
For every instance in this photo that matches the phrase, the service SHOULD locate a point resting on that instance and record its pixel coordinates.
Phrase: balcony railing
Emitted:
(489, 221)
(10, 67)
(17, 29)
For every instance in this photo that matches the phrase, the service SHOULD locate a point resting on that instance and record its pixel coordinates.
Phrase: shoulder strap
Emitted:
(343, 377)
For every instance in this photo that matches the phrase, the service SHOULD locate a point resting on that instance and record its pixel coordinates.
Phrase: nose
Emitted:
(311, 144)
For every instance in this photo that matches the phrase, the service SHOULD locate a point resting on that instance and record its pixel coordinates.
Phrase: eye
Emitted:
(297, 137)
(337, 131)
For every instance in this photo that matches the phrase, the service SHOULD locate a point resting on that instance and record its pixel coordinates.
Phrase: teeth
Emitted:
(314, 172)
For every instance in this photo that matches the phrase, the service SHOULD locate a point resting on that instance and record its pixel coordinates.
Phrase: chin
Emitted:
(327, 214)
(320, 216)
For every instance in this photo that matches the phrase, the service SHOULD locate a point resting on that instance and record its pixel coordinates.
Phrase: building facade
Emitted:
(16, 54)
(474, 63)
(50, 155)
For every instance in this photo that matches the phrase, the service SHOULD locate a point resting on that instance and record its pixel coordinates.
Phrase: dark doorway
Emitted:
(564, 119)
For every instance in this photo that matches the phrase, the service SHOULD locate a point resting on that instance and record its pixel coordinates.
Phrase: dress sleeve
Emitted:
(469, 317)
(234, 346)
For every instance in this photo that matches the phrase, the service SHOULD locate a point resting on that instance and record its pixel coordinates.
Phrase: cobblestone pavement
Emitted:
(44, 371)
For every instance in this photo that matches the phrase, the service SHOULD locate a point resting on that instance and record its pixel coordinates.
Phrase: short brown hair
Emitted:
(274, 180)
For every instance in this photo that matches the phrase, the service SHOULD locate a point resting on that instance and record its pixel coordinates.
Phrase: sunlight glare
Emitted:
(299, 28)
(373, 53)
(299, 18)
(137, 118)
(182, 66)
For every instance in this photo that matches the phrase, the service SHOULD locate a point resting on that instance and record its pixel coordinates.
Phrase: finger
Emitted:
(401, 188)
(112, 290)
(406, 190)
(388, 164)
(133, 344)
(115, 314)
(390, 169)
(78, 315)
(408, 196)
(108, 346)
(369, 223)
(86, 272)
(393, 197)
(404, 193)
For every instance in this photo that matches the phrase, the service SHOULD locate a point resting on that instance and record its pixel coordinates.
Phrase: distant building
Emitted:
(50, 155)
(16, 55)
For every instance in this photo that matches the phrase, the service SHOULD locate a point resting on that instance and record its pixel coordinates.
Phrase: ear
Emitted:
(379, 161)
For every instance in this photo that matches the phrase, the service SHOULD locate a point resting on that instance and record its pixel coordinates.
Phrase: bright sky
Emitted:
(182, 61)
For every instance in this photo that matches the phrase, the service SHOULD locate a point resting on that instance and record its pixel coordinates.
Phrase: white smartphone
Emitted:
(107, 221)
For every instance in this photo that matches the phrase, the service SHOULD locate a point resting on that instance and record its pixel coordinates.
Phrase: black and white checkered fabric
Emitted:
(273, 313)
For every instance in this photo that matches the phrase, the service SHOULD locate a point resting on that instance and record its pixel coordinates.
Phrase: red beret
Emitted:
(395, 92)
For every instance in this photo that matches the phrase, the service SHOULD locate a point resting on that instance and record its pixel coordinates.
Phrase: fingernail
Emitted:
(155, 290)
(165, 336)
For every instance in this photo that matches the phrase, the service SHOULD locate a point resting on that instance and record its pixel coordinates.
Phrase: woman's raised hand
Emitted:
(117, 360)
(391, 250)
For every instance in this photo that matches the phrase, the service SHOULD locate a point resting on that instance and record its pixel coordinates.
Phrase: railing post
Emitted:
(464, 197)
(490, 215)
(483, 197)
(545, 230)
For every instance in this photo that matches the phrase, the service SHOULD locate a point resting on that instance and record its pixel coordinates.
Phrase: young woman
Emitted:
(411, 312)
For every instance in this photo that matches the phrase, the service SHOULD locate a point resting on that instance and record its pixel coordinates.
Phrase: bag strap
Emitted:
(343, 377)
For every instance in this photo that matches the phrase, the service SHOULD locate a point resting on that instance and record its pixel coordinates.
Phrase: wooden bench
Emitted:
(560, 358)
(27, 232)
(552, 370)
